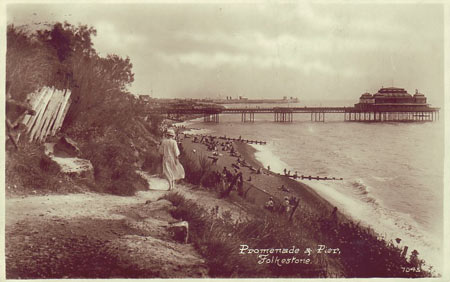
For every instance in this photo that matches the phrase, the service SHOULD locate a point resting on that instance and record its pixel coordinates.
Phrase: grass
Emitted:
(218, 238)
(198, 170)
(29, 170)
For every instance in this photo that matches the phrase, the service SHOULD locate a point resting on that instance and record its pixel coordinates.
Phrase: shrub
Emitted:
(30, 169)
(152, 161)
(198, 170)
(114, 171)
(47, 165)
(192, 169)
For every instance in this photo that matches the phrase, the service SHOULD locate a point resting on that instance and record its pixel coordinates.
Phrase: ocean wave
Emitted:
(197, 131)
(360, 187)
(265, 155)
(382, 179)
(363, 190)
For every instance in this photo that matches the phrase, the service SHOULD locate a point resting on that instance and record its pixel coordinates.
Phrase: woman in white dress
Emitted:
(172, 168)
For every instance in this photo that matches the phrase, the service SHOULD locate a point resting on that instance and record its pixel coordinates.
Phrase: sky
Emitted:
(312, 51)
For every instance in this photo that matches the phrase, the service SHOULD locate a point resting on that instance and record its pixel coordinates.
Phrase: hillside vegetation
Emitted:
(113, 129)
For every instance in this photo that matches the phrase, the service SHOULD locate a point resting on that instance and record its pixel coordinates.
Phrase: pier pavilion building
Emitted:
(392, 104)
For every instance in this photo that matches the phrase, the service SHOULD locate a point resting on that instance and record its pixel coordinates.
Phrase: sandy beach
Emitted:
(258, 187)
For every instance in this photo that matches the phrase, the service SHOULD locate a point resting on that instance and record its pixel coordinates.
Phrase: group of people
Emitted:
(227, 180)
(284, 207)
(209, 141)
(213, 144)
(230, 180)
(288, 173)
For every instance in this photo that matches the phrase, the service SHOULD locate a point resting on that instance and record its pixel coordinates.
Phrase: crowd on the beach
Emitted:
(231, 178)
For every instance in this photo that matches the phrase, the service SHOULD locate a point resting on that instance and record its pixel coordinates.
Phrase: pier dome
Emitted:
(366, 98)
(392, 92)
(392, 95)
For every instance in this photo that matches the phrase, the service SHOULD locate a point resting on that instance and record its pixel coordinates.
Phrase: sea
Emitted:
(392, 172)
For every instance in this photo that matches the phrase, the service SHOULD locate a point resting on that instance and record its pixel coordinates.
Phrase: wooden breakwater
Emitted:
(51, 106)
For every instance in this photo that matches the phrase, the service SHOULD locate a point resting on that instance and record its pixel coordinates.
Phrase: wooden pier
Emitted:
(318, 114)
(391, 116)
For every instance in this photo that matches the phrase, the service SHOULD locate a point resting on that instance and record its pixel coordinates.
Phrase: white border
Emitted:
(446, 263)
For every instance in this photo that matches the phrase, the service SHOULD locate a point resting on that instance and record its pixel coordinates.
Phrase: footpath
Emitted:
(90, 235)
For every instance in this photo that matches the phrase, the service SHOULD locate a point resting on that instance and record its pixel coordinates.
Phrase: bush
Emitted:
(152, 161)
(175, 198)
(47, 165)
(29, 169)
(193, 172)
(154, 124)
(114, 171)
(198, 170)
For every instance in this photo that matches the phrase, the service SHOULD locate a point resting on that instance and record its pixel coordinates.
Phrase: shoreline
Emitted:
(350, 218)
(311, 200)
(268, 182)
(306, 192)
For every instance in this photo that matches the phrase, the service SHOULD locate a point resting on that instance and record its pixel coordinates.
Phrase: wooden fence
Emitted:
(51, 106)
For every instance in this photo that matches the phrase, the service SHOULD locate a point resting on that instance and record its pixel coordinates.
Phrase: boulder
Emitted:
(66, 147)
(70, 165)
(179, 231)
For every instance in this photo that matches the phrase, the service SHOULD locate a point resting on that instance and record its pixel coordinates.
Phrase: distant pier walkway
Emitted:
(286, 114)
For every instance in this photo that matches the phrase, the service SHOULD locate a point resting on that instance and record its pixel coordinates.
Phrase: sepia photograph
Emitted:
(214, 139)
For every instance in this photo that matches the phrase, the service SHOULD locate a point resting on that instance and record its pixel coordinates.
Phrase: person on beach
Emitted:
(240, 185)
(333, 217)
(283, 188)
(286, 205)
(269, 204)
(172, 168)
(237, 178)
(293, 200)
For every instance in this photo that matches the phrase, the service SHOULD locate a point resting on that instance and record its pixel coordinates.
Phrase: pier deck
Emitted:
(286, 114)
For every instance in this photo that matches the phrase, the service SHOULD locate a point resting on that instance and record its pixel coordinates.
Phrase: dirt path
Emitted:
(96, 236)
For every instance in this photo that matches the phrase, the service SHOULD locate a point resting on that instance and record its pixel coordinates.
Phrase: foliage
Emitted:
(192, 169)
(218, 238)
(29, 66)
(198, 170)
(64, 57)
(30, 170)
(107, 122)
